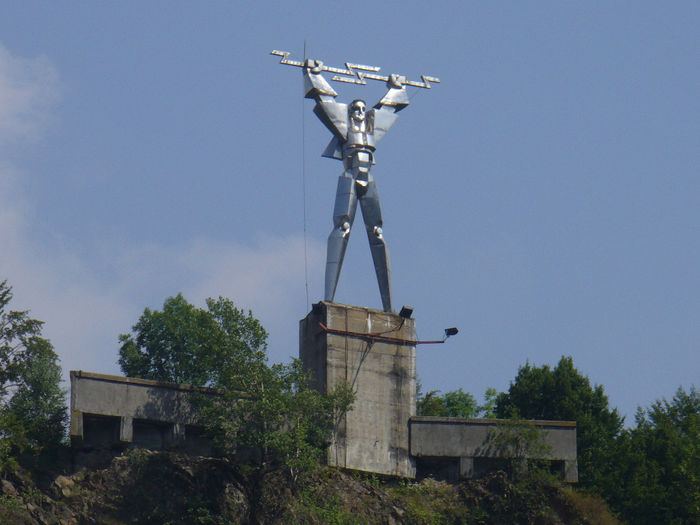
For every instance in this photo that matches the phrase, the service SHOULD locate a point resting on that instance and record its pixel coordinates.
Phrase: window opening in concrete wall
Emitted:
(100, 431)
(153, 435)
(484, 465)
(440, 468)
(558, 467)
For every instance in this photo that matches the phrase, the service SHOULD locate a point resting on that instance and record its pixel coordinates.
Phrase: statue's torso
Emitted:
(359, 145)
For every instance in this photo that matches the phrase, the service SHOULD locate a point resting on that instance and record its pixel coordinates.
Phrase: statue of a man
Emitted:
(356, 131)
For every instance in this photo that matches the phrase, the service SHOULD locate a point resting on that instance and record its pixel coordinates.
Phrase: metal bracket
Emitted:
(379, 337)
(355, 73)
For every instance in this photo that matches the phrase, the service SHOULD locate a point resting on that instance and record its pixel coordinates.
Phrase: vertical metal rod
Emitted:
(303, 184)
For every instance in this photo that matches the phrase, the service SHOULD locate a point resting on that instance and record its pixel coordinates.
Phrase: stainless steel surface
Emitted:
(356, 131)
(354, 73)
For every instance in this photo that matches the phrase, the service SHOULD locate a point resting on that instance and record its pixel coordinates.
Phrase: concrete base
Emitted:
(370, 350)
(114, 411)
(469, 444)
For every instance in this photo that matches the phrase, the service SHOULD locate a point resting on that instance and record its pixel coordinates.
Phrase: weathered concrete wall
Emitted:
(466, 439)
(381, 434)
(108, 409)
(373, 436)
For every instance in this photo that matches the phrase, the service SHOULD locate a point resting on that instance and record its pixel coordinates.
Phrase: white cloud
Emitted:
(85, 311)
(28, 88)
(85, 308)
(266, 277)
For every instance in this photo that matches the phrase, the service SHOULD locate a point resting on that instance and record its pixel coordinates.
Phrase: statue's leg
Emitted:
(372, 214)
(343, 217)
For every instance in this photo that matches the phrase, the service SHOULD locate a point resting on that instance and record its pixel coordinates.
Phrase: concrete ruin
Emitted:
(454, 448)
(372, 350)
(375, 352)
(122, 412)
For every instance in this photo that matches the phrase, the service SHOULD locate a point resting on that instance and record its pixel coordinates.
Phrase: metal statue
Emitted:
(356, 131)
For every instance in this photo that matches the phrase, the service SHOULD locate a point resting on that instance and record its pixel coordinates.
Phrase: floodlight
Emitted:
(451, 331)
(406, 312)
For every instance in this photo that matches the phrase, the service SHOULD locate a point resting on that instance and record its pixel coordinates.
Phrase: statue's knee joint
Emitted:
(377, 232)
(344, 228)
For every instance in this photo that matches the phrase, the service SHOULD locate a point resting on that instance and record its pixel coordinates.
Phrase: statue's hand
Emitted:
(395, 81)
(314, 65)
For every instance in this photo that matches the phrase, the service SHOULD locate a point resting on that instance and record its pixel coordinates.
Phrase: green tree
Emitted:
(658, 464)
(488, 409)
(516, 440)
(563, 393)
(32, 403)
(186, 344)
(265, 415)
(455, 403)
(270, 416)
(430, 404)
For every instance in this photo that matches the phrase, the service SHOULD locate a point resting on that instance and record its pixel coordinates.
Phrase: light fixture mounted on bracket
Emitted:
(449, 332)
(406, 312)
(382, 337)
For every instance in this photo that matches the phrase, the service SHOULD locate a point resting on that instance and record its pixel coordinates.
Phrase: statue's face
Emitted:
(358, 110)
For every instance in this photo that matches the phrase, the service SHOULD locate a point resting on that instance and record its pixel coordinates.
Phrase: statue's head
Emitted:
(358, 110)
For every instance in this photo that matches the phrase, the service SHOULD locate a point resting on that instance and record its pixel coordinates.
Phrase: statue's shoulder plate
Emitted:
(334, 116)
(383, 120)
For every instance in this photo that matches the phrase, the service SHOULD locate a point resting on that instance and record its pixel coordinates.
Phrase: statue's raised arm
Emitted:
(333, 114)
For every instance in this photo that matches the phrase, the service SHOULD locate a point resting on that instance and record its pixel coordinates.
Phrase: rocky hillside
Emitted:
(165, 488)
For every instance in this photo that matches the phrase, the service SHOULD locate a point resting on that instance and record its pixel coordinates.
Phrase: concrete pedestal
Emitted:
(370, 350)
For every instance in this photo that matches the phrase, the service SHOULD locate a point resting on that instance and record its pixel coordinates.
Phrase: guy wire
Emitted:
(303, 185)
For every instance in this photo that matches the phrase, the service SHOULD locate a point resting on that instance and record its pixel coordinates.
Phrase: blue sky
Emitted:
(544, 198)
